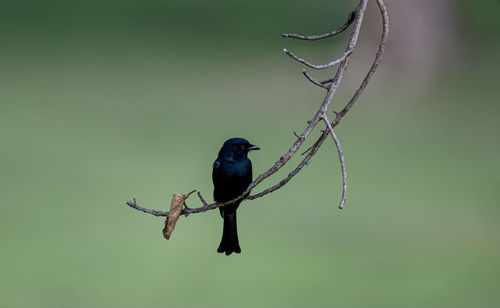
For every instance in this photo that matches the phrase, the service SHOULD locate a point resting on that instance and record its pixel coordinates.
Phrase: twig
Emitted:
(320, 66)
(326, 81)
(314, 81)
(134, 205)
(205, 204)
(349, 21)
(341, 158)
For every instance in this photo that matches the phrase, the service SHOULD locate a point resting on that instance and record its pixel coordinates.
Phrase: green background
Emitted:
(103, 101)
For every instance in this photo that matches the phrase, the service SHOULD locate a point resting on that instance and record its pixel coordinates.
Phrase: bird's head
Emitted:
(238, 147)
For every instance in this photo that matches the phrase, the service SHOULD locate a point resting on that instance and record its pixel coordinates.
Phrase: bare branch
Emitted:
(321, 66)
(349, 21)
(330, 94)
(314, 81)
(134, 205)
(376, 62)
(202, 200)
(326, 81)
(320, 115)
(314, 148)
(341, 158)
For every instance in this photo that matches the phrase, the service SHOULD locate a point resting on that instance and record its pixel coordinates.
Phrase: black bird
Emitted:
(232, 173)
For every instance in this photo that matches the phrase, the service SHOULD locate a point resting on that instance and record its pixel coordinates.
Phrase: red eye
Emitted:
(242, 147)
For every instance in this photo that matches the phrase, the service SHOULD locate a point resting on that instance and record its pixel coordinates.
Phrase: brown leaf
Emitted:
(174, 213)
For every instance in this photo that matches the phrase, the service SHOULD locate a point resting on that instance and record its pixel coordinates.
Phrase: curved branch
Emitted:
(321, 66)
(349, 21)
(320, 115)
(326, 81)
(341, 158)
(134, 205)
(314, 81)
(376, 62)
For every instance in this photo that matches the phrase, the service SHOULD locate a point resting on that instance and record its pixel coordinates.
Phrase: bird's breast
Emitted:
(231, 180)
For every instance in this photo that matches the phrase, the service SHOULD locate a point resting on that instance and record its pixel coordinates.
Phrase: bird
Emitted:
(231, 175)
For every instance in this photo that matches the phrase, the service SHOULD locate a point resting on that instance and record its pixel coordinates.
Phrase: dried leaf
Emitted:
(174, 213)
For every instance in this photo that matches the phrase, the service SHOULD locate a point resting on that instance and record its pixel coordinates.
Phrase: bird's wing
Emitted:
(216, 169)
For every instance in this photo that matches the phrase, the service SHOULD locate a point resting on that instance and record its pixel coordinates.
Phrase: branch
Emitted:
(349, 21)
(134, 205)
(376, 62)
(357, 19)
(326, 81)
(321, 66)
(314, 81)
(317, 117)
(341, 158)
(314, 148)
(202, 200)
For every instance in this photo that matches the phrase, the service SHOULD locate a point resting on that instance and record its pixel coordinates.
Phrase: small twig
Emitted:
(327, 81)
(205, 204)
(189, 193)
(134, 205)
(350, 19)
(185, 204)
(341, 158)
(314, 81)
(321, 66)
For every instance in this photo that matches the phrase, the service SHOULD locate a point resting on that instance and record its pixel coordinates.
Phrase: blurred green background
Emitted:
(103, 101)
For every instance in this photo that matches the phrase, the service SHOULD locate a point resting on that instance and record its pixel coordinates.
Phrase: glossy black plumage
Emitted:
(232, 173)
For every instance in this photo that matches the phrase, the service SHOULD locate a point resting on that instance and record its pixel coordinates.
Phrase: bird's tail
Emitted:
(229, 242)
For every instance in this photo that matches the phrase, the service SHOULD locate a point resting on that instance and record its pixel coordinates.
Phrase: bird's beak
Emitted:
(253, 147)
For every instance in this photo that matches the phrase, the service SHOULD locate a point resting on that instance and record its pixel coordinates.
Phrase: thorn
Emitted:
(296, 135)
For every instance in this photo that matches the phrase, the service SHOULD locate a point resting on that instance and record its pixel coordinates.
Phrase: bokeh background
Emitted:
(103, 101)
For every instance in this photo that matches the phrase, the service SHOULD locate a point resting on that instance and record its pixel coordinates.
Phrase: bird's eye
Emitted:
(242, 146)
